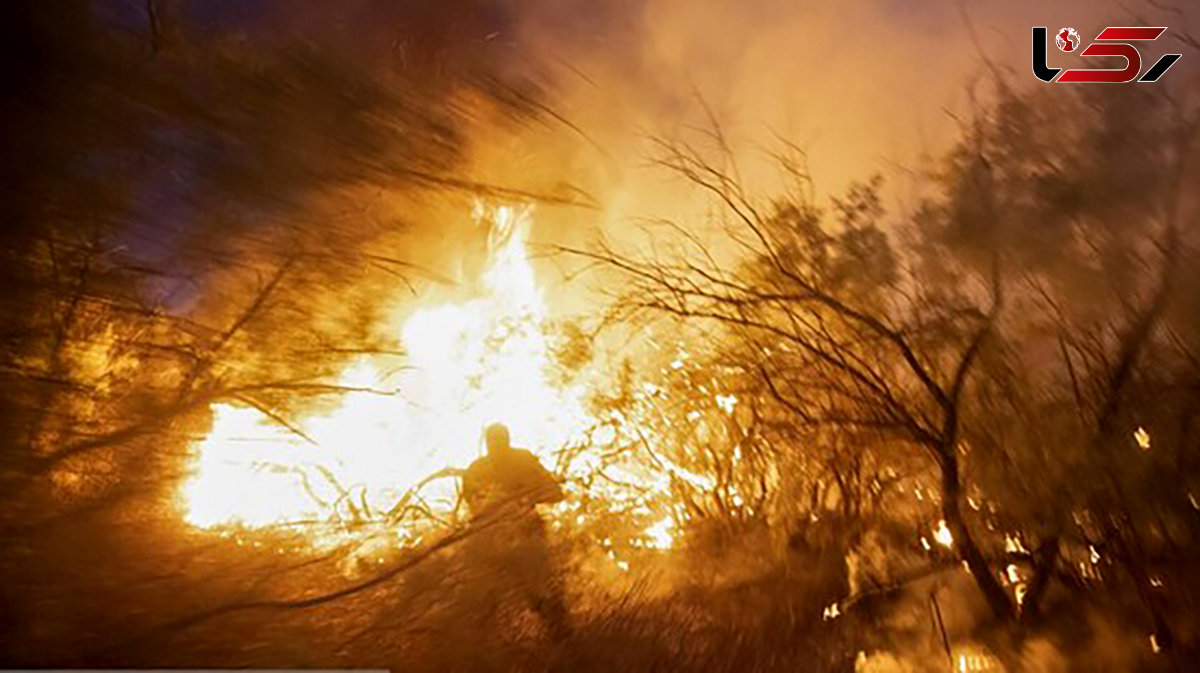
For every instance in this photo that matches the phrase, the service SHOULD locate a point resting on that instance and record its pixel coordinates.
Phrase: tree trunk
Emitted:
(997, 598)
(1131, 555)
(1045, 558)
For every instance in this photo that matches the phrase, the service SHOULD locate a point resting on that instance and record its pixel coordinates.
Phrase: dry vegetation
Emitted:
(961, 434)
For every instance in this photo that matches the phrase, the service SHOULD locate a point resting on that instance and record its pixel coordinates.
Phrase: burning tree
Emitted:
(827, 330)
(929, 340)
(1061, 415)
(143, 289)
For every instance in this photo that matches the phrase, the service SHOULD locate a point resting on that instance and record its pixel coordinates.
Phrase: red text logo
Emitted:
(1112, 41)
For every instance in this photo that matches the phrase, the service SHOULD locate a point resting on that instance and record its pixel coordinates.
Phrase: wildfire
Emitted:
(470, 363)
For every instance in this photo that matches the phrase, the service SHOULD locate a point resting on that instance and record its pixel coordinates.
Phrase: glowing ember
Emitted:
(727, 403)
(661, 534)
(942, 535)
(1142, 438)
(1013, 573)
(1012, 544)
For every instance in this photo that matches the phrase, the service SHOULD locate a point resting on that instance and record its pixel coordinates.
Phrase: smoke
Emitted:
(562, 98)
(876, 86)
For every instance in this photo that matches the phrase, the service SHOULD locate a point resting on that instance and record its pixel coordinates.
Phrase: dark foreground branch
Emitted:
(190, 621)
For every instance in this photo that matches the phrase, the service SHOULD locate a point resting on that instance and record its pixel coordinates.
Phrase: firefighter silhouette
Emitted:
(508, 538)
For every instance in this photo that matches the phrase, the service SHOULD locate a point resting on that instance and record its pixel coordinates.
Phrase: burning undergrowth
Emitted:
(377, 467)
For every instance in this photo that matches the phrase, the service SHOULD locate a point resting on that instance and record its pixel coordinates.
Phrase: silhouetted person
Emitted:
(508, 482)
(502, 490)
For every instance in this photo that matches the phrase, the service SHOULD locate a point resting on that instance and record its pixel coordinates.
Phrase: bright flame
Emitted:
(727, 402)
(1012, 544)
(470, 364)
(662, 534)
(1142, 438)
(942, 534)
(1013, 573)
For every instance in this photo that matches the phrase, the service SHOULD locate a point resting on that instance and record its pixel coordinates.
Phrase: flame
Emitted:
(661, 535)
(470, 363)
(1013, 573)
(942, 534)
(1142, 438)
